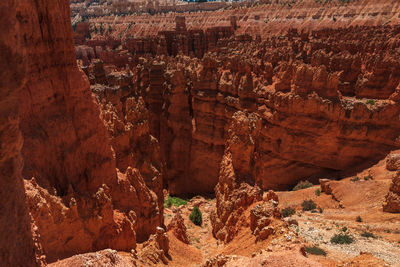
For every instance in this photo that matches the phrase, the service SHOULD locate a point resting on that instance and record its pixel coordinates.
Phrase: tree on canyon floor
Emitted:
(196, 216)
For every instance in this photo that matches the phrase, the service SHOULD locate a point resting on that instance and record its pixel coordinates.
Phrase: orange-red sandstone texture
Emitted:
(77, 200)
(326, 101)
(16, 238)
(258, 18)
(304, 104)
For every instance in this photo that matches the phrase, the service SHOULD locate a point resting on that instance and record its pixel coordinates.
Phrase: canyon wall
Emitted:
(259, 18)
(327, 101)
(55, 138)
(16, 240)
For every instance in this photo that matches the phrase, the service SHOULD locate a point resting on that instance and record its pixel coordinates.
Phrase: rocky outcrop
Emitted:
(17, 246)
(321, 110)
(261, 217)
(155, 250)
(393, 162)
(392, 201)
(107, 257)
(233, 192)
(127, 120)
(260, 18)
(77, 200)
(178, 228)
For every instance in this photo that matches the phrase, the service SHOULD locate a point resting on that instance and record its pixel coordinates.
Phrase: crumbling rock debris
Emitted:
(106, 257)
(261, 217)
(155, 250)
(393, 162)
(392, 201)
(177, 227)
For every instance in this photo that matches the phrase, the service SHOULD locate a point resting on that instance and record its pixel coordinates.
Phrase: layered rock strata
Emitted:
(326, 101)
(392, 201)
(17, 246)
(234, 192)
(77, 200)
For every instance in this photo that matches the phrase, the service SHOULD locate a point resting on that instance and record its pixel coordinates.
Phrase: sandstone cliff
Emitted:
(16, 241)
(77, 199)
(327, 103)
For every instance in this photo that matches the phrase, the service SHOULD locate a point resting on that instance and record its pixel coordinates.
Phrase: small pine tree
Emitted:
(196, 216)
(101, 29)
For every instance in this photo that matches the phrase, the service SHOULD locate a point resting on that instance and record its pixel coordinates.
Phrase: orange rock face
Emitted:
(324, 96)
(77, 200)
(17, 246)
(201, 103)
(309, 98)
(178, 228)
(233, 192)
(392, 201)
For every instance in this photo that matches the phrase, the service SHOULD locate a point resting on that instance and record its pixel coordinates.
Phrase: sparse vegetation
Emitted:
(370, 102)
(318, 192)
(287, 212)
(320, 210)
(342, 239)
(315, 250)
(308, 205)
(174, 201)
(358, 219)
(355, 179)
(368, 234)
(368, 177)
(196, 216)
(302, 185)
(344, 229)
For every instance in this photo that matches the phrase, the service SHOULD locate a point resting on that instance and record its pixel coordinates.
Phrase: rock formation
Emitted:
(392, 202)
(178, 228)
(17, 246)
(260, 219)
(308, 97)
(155, 250)
(253, 97)
(233, 193)
(76, 198)
(106, 257)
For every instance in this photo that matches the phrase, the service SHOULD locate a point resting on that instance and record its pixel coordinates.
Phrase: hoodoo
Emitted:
(152, 133)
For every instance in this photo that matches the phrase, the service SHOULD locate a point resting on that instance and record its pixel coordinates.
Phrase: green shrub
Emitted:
(344, 229)
(286, 212)
(308, 205)
(302, 185)
(318, 192)
(196, 216)
(175, 201)
(358, 219)
(315, 250)
(355, 179)
(368, 234)
(342, 239)
(370, 102)
(366, 178)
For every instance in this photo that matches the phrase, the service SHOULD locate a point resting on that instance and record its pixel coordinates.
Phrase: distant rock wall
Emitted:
(327, 102)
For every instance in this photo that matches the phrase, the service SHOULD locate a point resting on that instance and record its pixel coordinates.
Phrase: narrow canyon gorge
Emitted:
(154, 133)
